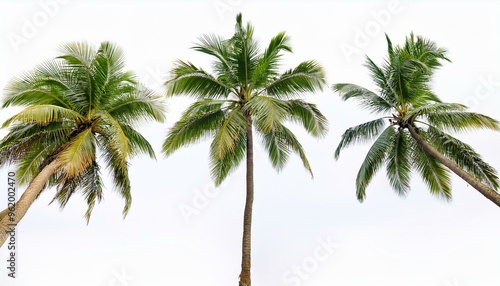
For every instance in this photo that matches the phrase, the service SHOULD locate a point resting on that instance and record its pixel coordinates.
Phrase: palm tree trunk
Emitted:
(486, 191)
(4, 213)
(247, 219)
(7, 222)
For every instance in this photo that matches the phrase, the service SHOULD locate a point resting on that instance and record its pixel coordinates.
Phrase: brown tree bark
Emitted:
(486, 191)
(8, 222)
(245, 279)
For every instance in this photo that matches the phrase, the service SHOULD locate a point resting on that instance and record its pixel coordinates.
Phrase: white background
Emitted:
(389, 241)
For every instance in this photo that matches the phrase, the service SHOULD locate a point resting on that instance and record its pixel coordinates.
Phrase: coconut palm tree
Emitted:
(245, 92)
(411, 133)
(79, 113)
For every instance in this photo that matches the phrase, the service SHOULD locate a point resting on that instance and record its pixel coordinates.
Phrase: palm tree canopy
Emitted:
(79, 108)
(245, 81)
(404, 98)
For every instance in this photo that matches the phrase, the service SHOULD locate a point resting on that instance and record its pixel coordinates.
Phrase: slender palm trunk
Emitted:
(247, 219)
(476, 184)
(8, 222)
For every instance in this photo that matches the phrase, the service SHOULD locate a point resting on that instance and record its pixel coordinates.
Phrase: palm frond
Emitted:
(366, 98)
(188, 79)
(137, 143)
(118, 167)
(293, 143)
(79, 153)
(230, 132)
(268, 63)
(268, 112)
(223, 163)
(373, 161)
(277, 149)
(45, 85)
(435, 175)
(245, 52)
(142, 104)
(434, 108)
(109, 127)
(44, 114)
(459, 121)
(78, 54)
(200, 120)
(29, 166)
(23, 138)
(308, 76)
(464, 156)
(399, 164)
(360, 134)
(219, 48)
(309, 116)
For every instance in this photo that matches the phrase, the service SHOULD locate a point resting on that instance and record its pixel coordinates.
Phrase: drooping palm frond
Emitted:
(226, 139)
(434, 174)
(292, 141)
(365, 97)
(309, 116)
(464, 156)
(43, 114)
(201, 120)
(223, 163)
(360, 134)
(373, 161)
(268, 112)
(399, 163)
(79, 153)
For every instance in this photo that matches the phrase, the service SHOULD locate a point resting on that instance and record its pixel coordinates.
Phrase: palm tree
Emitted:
(246, 91)
(79, 113)
(411, 134)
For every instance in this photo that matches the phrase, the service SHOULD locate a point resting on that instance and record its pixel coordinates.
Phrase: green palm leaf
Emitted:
(373, 161)
(366, 98)
(399, 164)
(433, 173)
(306, 77)
(360, 134)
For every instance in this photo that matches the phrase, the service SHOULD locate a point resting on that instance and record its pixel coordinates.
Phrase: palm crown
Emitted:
(413, 111)
(245, 82)
(78, 107)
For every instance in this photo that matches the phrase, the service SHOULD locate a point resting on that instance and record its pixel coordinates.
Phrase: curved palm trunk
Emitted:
(4, 213)
(482, 188)
(28, 197)
(247, 219)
